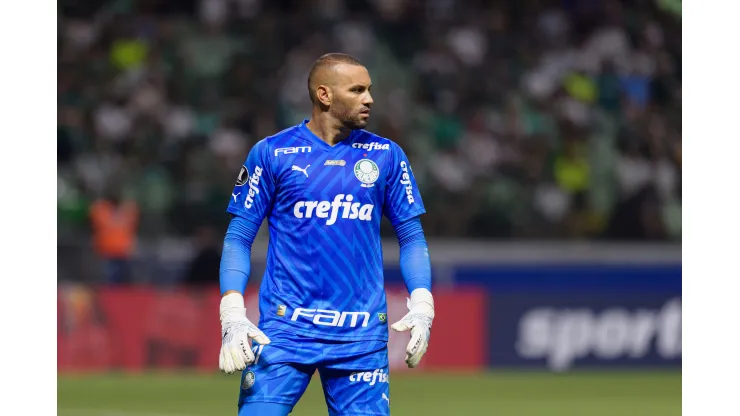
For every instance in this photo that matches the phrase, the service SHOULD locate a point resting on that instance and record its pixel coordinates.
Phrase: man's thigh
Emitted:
(267, 381)
(358, 387)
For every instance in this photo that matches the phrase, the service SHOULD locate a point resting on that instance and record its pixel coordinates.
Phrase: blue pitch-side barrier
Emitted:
(563, 277)
(569, 316)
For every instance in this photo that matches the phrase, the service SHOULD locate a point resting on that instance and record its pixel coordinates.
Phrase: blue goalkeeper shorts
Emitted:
(354, 374)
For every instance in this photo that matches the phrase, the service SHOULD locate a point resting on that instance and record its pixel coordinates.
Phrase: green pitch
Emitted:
(505, 394)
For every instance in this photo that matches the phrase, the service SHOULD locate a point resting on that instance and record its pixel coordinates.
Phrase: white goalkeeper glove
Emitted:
(236, 330)
(419, 321)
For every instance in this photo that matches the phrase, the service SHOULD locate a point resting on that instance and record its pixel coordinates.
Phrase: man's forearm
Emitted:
(416, 267)
(235, 258)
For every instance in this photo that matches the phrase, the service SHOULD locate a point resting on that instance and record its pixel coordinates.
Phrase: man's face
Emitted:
(351, 99)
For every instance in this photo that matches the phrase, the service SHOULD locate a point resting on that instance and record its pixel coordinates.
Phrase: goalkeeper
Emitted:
(323, 186)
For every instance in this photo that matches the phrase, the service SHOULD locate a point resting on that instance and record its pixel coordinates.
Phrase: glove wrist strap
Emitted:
(421, 295)
(232, 307)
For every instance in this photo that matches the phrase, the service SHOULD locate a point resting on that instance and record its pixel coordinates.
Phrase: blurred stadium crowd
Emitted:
(522, 119)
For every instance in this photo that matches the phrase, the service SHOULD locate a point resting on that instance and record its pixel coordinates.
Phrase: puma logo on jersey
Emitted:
(331, 210)
(299, 169)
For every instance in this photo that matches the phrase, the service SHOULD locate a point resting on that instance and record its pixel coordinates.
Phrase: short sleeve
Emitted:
(402, 197)
(254, 190)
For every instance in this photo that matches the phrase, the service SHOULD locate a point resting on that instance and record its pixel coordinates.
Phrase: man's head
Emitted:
(340, 85)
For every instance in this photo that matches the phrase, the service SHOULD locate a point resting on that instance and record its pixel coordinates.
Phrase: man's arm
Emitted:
(250, 203)
(236, 352)
(235, 258)
(415, 265)
(416, 269)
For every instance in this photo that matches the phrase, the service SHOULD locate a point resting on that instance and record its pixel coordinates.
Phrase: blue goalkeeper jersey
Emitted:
(323, 204)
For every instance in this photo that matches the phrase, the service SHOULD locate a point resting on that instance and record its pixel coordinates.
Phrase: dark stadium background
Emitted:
(546, 140)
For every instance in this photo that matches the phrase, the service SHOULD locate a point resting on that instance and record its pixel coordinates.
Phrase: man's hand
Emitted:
(419, 321)
(236, 330)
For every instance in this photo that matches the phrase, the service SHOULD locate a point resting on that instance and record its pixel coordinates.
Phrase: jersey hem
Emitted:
(309, 334)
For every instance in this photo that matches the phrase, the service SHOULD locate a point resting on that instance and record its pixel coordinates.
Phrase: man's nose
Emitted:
(368, 101)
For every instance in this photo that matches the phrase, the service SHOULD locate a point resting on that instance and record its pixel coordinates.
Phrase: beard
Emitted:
(356, 123)
(350, 119)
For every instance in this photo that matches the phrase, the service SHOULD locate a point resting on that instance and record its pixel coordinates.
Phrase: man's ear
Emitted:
(324, 94)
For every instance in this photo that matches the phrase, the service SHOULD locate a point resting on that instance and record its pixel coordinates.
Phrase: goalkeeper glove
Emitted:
(236, 330)
(419, 321)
